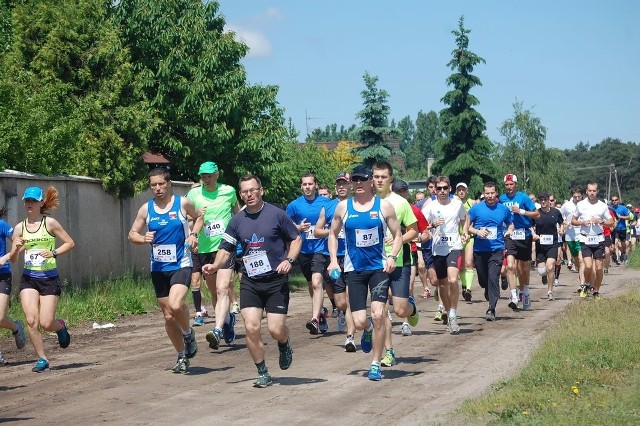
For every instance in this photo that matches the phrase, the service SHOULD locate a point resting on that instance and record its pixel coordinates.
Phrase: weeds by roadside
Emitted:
(586, 371)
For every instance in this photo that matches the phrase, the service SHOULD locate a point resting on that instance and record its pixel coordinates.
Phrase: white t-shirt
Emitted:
(446, 237)
(567, 210)
(585, 210)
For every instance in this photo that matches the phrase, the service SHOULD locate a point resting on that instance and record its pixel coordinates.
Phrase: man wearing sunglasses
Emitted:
(445, 216)
(518, 244)
(365, 219)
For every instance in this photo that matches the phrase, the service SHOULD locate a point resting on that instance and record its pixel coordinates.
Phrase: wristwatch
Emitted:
(394, 257)
(54, 254)
(193, 234)
(290, 260)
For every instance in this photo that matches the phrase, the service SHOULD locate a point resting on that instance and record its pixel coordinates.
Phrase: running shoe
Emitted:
(323, 325)
(550, 295)
(597, 296)
(334, 313)
(375, 373)
(389, 358)
(182, 365)
(198, 320)
(349, 344)
(526, 302)
(235, 308)
(425, 293)
(513, 302)
(584, 292)
(453, 326)
(2, 360)
(556, 283)
(415, 316)
(406, 329)
(366, 341)
(263, 381)
(545, 280)
(313, 327)
(214, 337)
(490, 315)
(445, 318)
(504, 284)
(466, 295)
(438, 315)
(190, 344)
(229, 329)
(19, 335)
(286, 356)
(41, 365)
(204, 312)
(342, 323)
(64, 338)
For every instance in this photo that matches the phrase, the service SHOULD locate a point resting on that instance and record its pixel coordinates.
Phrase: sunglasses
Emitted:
(359, 179)
(441, 188)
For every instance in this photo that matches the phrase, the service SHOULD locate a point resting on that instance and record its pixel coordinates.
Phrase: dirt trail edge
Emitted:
(121, 375)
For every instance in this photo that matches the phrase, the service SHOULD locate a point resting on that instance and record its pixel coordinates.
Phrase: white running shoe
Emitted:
(453, 326)
(556, 283)
(549, 295)
(406, 329)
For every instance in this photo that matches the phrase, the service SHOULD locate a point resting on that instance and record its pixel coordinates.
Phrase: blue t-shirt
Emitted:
(621, 211)
(329, 212)
(521, 200)
(6, 231)
(300, 209)
(266, 232)
(495, 218)
(364, 233)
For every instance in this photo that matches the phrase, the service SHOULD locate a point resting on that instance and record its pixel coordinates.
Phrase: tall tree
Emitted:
(407, 132)
(374, 132)
(69, 99)
(465, 149)
(427, 135)
(193, 79)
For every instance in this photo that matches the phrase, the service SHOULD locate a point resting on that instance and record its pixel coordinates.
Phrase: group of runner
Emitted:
(366, 244)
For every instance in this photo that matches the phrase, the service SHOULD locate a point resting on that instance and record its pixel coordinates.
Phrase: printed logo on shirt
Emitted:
(373, 215)
(255, 243)
(173, 215)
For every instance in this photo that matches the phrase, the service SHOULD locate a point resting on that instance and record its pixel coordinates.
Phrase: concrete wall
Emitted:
(98, 223)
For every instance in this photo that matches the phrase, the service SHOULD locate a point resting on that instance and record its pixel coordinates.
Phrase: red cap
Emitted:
(510, 178)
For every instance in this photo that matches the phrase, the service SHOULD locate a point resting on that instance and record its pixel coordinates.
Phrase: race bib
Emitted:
(256, 264)
(367, 237)
(446, 240)
(165, 253)
(546, 240)
(309, 234)
(32, 258)
(593, 240)
(518, 235)
(493, 232)
(214, 228)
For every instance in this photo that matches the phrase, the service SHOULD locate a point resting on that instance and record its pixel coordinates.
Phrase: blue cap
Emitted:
(33, 192)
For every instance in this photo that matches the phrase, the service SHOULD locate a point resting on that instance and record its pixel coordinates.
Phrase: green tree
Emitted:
(69, 100)
(407, 131)
(427, 135)
(192, 77)
(374, 132)
(463, 153)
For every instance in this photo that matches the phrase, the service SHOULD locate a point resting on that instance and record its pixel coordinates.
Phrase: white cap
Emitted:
(462, 184)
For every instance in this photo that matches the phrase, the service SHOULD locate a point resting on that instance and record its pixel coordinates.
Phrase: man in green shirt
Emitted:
(217, 203)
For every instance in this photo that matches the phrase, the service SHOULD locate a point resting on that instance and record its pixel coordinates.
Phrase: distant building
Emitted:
(154, 160)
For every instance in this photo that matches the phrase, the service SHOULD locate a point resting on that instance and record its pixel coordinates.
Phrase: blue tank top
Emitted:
(364, 242)
(168, 251)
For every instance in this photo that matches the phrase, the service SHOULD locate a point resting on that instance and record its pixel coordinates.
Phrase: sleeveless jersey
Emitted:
(364, 242)
(168, 251)
(36, 266)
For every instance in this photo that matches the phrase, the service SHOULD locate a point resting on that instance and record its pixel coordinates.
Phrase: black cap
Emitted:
(361, 171)
(543, 195)
(399, 185)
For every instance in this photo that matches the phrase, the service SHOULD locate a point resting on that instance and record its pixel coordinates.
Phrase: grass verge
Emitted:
(586, 371)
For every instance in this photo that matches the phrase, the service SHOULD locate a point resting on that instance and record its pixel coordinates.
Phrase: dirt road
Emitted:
(121, 376)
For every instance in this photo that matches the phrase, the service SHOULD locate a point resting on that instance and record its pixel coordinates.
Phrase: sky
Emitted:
(572, 63)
